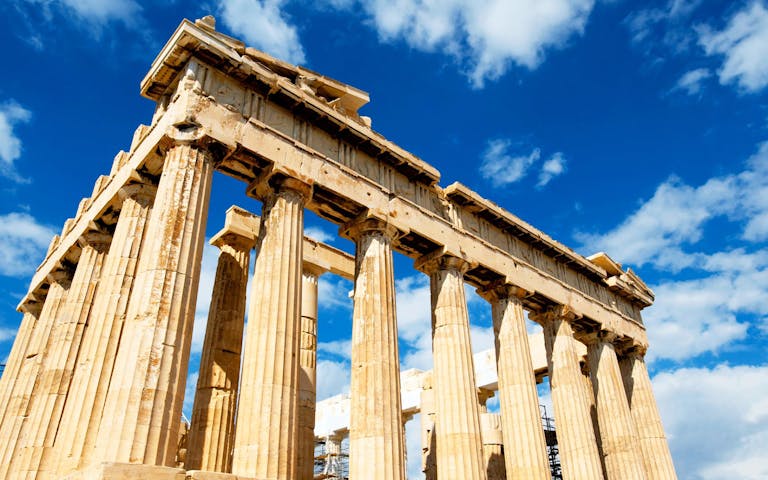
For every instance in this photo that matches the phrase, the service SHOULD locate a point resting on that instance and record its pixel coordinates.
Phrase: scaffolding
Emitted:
(553, 454)
(330, 464)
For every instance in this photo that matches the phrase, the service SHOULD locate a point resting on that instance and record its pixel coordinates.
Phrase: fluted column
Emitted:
(145, 404)
(525, 450)
(75, 441)
(15, 361)
(457, 419)
(620, 445)
(36, 458)
(577, 443)
(642, 403)
(267, 434)
(211, 434)
(307, 372)
(493, 445)
(376, 449)
(32, 364)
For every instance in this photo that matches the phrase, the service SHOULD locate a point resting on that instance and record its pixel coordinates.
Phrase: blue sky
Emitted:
(638, 128)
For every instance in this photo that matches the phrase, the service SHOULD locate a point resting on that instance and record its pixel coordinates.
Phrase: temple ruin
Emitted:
(94, 384)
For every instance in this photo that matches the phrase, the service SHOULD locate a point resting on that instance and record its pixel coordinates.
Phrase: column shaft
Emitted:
(36, 459)
(525, 450)
(493, 445)
(645, 413)
(211, 435)
(32, 364)
(266, 439)
(16, 357)
(75, 441)
(376, 449)
(577, 443)
(619, 442)
(151, 364)
(307, 373)
(457, 419)
(428, 440)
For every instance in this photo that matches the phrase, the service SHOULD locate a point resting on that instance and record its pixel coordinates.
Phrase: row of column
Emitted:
(111, 344)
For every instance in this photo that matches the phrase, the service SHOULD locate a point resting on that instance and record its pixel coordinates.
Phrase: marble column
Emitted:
(75, 441)
(32, 364)
(493, 445)
(31, 311)
(145, 404)
(577, 443)
(212, 429)
(376, 449)
(457, 415)
(618, 437)
(37, 458)
(525, 450)
(307, 371)
(653, 442)
(267, 430)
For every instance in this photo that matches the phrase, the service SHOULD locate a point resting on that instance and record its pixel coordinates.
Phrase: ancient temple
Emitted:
(95, 382)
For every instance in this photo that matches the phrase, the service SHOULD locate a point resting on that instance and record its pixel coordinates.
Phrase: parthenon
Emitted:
(95, 382)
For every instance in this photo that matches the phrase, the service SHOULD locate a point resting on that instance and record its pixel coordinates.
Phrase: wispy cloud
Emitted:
(716, 420)
(319, 234)
(692, 315)
(23, 243)
(11, 115)
(95, 13)
(263, 24)
(502, 166)
(486, 37)
(691, 81)
(743, 44)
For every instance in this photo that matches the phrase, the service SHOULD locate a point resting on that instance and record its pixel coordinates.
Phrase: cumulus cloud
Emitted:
(24, 242)
(716, 420)
(743, 44)
(263, 24)
(692, 81)
(332, 378)
(692, 315)
(11, 115)
(485, 37)
(502, 167)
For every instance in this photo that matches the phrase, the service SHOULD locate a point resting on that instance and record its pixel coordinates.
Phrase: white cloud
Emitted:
(332, 378)
(552, 168)
(691, 81)
(204, 292)
(11, 115)
(664, 27)
(716, 420)
(503, 168)
(264, 25)
(413, 447)
(319, 234)
(7, 334)
(339, 348)
(485, 36)
(692, 315)
(744, 45)
(333, 292)
(95, 12)
(23, 243)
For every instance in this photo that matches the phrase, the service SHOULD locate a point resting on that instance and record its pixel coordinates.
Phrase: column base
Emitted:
(130, 471)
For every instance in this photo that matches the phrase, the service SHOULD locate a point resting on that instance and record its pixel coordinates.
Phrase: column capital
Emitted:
(366, 224)
(439, 260)
(142, 192)
(99, 241)
(601, 336)
(558, 312)
(309, 268)
(33, 308)
(634, 352)
(272, 183)
(233, 240)
(500, 290)
(62, 276)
